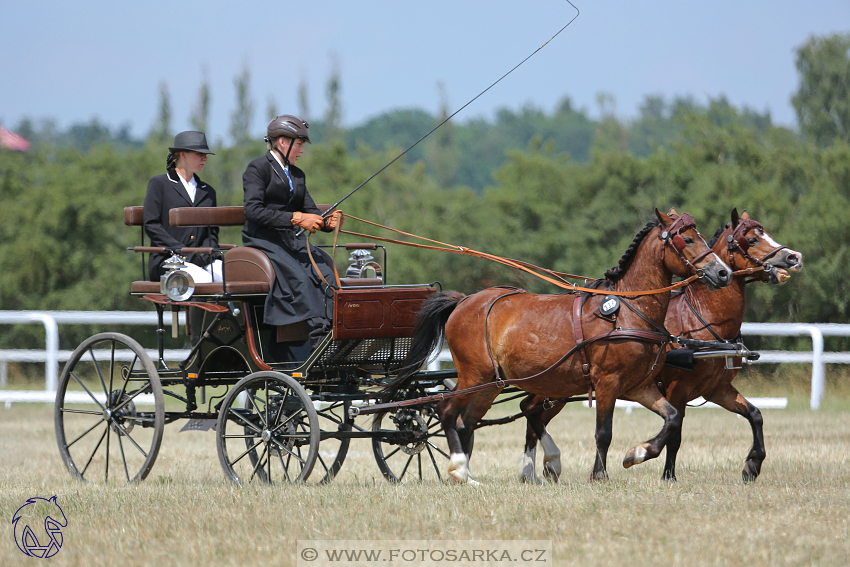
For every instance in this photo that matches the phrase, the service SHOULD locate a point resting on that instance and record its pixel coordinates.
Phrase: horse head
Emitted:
(691, 255)
(750, 246)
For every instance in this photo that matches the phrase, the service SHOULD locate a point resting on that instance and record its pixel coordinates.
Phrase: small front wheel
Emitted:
(268, 430)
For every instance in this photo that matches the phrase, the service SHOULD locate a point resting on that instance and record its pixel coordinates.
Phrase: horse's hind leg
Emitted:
(535, 429)
(650, 397)
(730, 399)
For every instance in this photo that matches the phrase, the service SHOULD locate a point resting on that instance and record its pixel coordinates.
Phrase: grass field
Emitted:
(797, 513)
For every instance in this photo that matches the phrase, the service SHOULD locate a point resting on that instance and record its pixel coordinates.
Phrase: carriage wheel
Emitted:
(268, 430)
(332, 450)
(109, 413)
(408, 444)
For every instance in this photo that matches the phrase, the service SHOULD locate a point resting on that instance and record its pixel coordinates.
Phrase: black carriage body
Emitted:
(313, 394)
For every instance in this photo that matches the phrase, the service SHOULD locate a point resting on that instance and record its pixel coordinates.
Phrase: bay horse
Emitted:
(502, 336)
(698, 314)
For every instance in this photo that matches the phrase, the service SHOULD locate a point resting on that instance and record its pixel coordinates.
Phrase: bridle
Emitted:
(673, 237)
(736, 243)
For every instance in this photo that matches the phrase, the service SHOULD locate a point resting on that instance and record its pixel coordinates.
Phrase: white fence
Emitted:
(51, 355)
(816, 357)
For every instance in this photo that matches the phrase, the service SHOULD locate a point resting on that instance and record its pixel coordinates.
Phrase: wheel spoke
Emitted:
(434, 461)
(259, 463)
(443, 453)
(404, 470)
(86, 412)
(125, 432)
(99, 373)
(247, 423)
(131, 397)
(96, 447)
(124, 458)
(80, 382)
(108, 437)
(248, 450)
(87, 431)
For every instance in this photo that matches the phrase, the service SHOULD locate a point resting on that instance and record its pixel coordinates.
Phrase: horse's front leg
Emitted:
(650, 397)
(604, 430)
(730, 399)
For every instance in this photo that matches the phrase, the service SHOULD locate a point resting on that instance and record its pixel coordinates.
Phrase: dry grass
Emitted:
(186, 514)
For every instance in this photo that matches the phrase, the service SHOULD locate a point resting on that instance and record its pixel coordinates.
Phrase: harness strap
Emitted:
(585, 365)
(642, 335)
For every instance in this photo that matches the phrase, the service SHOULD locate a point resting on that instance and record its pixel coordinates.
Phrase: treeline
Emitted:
(571, 208)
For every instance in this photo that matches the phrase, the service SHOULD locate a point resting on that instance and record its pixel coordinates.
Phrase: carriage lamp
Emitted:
(363, 265)
(176, 283)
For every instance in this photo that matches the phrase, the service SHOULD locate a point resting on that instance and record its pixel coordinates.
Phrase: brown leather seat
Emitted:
(247, 270)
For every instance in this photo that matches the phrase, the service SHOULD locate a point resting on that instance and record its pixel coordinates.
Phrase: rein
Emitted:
(520, 265)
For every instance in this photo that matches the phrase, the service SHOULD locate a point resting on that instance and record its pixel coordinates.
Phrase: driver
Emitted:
(277, 204)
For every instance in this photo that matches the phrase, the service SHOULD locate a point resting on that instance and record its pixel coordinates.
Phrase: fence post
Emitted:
(818, 367)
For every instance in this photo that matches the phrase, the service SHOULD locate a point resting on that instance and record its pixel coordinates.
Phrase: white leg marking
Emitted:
(526, 467)
(551, 457)
(459, 469)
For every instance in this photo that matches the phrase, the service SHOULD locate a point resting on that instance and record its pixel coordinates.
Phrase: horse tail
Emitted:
(428, 335)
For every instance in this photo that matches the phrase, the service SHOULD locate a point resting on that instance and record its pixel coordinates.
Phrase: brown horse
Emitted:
(512, 337)
(695, 313)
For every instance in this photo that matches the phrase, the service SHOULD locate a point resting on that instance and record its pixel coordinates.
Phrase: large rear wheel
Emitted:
(268, 430)
(109, 413)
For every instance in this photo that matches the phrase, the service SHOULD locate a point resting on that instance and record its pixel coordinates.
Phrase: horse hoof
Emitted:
(551, 474)
(635, 456)
(749, 474)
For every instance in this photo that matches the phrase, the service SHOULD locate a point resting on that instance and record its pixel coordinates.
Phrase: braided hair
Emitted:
(617, 272)
(171, 161)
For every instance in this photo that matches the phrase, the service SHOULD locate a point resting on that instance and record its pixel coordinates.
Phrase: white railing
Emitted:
(816, 357)
(51, 356)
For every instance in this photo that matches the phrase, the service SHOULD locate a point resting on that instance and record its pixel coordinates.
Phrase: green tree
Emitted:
(162, 128)
(201, 112)
(240, 120)
(822, 101)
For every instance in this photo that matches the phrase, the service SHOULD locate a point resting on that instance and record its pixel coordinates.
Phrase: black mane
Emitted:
(714, 238)
(615, 273)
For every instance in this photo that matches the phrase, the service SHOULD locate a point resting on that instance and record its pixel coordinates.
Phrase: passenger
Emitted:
(181, 187)
(276, 205)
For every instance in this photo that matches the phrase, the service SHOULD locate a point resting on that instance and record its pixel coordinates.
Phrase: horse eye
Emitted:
(753, 241)
(689, 240)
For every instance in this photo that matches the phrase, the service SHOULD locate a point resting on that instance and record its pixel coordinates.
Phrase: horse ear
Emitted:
(664, 219)
(673, 212)
(745, 215)
(735, 218)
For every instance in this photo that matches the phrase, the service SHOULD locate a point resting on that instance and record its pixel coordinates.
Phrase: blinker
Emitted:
(679, 242)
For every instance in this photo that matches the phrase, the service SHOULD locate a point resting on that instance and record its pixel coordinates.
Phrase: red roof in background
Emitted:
(13, 141)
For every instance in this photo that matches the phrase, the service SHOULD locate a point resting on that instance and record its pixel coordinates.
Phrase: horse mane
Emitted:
(617, 272)
(714, 238)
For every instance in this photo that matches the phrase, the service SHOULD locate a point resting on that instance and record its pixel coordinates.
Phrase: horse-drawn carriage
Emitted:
(287, 406)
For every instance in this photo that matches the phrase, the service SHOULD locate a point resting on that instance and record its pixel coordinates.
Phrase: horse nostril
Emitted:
(724, 275)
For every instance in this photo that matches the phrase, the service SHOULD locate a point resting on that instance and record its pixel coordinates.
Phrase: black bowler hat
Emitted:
(190, 141)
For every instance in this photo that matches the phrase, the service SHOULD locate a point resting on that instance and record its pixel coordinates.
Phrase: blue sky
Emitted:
(74, 61)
